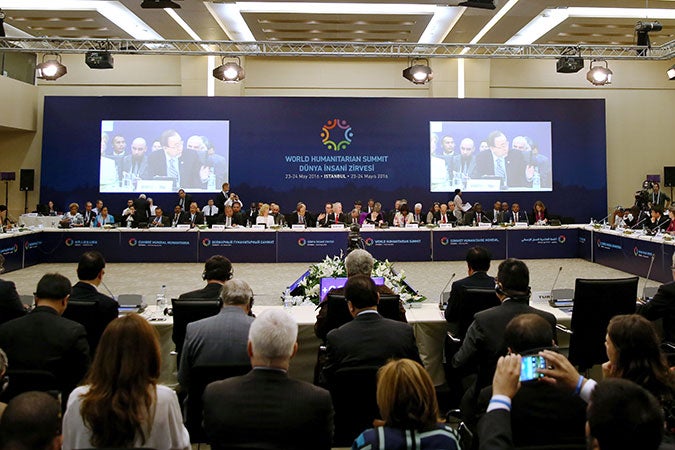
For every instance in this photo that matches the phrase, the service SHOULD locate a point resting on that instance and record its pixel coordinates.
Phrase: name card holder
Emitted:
(444, 225)
(412, 225)
(520, 224)
(368, 226)
(298, 226)
(339, 226)
(218, 227)
(258, 226)
(183, 226)
(485, 225)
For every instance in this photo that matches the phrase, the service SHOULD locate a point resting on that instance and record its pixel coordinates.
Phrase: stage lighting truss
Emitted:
(230, 72)
(418, 73)
(599, 75)
(50, 69)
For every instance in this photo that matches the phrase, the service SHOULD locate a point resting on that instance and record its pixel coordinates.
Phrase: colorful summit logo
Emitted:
(132, 242)
(369, 242)
(562, 238)
(336, 134)
(206, 242)
(636, 251)
(69, 242)
(445, 240)
(302, 242)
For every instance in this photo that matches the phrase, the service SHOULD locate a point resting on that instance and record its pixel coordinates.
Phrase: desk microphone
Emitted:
(440, 300)
(556, 278)
(649, 271)
(636, 225)
(610, 214)
(109, 291)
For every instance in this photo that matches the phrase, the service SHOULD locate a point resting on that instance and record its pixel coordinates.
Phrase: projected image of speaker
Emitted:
(669, 176)
(26, 180)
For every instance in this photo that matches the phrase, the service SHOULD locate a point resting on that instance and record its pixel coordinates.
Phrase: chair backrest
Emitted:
(338, 312)
(595, 303)
(186, 311)
(86, 313)
(353, 390)
(200, 377)
(24, 380)
(473, 300)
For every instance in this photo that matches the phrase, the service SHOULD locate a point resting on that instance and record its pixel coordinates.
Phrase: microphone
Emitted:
(640, 222)
(109, 291)
(556, 278)
(440, 300)
(649, 271)
(610, 214)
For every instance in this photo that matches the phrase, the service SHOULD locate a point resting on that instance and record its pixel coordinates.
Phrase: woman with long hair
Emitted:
(539, 214)
(408, 406)
(121, 404)
(634, 353)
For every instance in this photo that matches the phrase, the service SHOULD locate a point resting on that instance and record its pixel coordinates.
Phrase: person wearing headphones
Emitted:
(484, 342)
(217, 270)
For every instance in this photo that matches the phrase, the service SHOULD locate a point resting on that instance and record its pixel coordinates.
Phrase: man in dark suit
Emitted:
(541, 413)
(43, 340)
(476, 215)
(184, 200)
(88, 215)
(478, 263)
(516, 215)
(464, 162)
(219, 339)
(657, 221)
(496, 215)
(326, 217)
(266, 408)
(142, 209)
(620, 415)
(195, 216)
(222, 196)
(301, 216)
(10, 302)
(239, 218)
(217, 270)
(484, 341)
(136, 163)
(500, 162)
(179, 217)
(183, 166)
(369, 339)
(90, 270)
(160, 220)
(662, 306)
(444, 215)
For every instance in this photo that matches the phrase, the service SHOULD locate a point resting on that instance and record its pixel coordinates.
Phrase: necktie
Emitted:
(210, 210)
(173, 171)
(444, 216)
(478, 217)
(192, 219)
(175, 219)
(301, 219)
(336, 218)
(515, 217)
(499, 170)
(228, 222)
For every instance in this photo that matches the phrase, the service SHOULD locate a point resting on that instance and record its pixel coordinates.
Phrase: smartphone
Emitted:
(529, 365)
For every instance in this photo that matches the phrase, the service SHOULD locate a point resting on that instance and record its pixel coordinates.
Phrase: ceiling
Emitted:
(395, 21)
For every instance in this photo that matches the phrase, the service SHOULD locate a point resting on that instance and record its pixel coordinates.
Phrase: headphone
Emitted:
(217, 268)
(516, 295)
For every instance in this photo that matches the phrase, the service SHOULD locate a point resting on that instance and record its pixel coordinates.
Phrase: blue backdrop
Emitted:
(291, 149)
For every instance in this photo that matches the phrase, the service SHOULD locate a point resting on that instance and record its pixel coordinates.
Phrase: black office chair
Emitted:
(595, 303)
(193, 406)
(186, 311)
(471, 300)
(353, 390)
(25, 380)
(86, 314)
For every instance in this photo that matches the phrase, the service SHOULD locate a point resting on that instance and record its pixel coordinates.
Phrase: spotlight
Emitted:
(99, 60)
(231, 72)
(51, 69)
(418, 73)
(159, 4)
(570, 61)
(671, 72)
(642, 29)
(482, 4)
(598, 75)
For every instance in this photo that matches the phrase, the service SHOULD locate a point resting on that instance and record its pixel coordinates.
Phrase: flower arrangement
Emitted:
(334, 267)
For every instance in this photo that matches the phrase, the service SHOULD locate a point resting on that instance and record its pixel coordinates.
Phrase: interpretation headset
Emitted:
(512, 293)
(218, 268)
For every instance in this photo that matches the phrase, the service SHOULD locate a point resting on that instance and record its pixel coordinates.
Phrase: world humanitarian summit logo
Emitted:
(69, 242)
(302, 242)
(562, 238)
(445, 240)
(369, 242)
(336, 134)
(132, 242)
(206, 242)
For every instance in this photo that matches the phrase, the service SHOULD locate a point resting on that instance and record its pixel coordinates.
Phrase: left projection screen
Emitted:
(164, 155)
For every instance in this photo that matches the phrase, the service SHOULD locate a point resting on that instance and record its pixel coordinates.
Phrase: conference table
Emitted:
(426, 319)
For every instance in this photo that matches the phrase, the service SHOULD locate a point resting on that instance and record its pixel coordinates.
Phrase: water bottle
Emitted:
(126, 180)
(211, 182)
(536, 179)
(161, 298)
(288, 299)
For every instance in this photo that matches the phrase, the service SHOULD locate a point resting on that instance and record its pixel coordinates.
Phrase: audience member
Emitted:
(121, 404)
(620, 415)
(407, 401)
(478, 263)
(484, 341)
(662, 306)
(357, 262)
(10, 302)
(266, 408)
(369, 339)
(31, 421)
(634, 353)
(90, 271)
(220, 339)
(541, 414)
(217, 270)
(43, 340)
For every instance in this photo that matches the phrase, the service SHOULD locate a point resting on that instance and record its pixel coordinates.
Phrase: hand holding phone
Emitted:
(529, 365)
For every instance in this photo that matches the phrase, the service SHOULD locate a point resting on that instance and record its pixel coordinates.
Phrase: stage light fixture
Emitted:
(570, 61)
(598, 75)
(482, 4)
(418, 73)
(50, 69)
(671, 72)
(159, 4)
(230, 72)
(642, 30)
